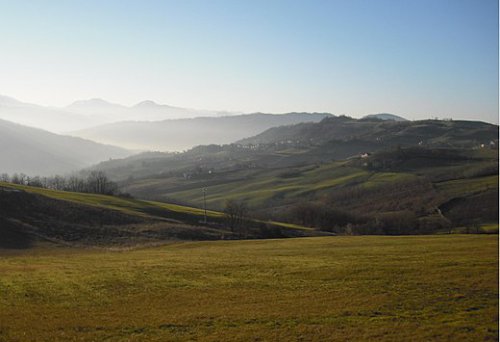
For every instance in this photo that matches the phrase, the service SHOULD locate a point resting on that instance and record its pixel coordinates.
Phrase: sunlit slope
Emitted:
(131, 206)
(29, 214)
(257, 188)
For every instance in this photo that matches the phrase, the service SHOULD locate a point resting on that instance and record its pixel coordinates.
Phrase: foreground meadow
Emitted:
(309, 289)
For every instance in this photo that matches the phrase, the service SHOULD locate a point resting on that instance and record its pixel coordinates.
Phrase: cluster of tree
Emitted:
(237, 219)
(417, 195)
(96, 182)
(322, 216)
(469, 212)
(403, 222)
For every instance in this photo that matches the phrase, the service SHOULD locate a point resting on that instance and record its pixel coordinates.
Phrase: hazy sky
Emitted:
(419, 58)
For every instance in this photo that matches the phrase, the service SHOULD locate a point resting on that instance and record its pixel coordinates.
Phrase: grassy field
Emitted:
(312, 289)
(256, 188)
(462, 187)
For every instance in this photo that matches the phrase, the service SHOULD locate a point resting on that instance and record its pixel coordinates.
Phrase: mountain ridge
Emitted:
(91, 112)
(181, 134)
(38, 152)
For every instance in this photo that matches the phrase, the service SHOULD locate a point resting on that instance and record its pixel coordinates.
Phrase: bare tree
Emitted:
(76, 184)
(57, 182)
(98, 183)
(15, 179)
(235, 213)
(4, 177)
(23, 179)
(35, 181)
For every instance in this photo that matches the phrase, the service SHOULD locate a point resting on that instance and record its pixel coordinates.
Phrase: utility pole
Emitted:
(204, 205)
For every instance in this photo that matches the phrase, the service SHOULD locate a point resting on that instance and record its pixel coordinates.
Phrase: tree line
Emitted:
(401, 222)
(96, 182)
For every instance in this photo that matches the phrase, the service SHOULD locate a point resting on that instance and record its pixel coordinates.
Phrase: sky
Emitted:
(419, 59)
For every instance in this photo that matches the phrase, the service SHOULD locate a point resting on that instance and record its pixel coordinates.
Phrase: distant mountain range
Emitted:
(37, 152)
(84, 116)
(149, 125)
(181, 134)
(48, 118)
(88, 113)
(143, 111)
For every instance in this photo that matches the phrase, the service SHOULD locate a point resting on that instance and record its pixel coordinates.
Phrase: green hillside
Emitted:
(334, 138)
(29, 215)
(418, 180)
(344, 175)
(382, 133)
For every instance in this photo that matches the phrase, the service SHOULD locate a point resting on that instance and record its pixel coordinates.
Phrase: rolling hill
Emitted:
(303, 144)
(381, 133)
(368, 170)
(182, 134)
(29, 215)
(385, 116)
(417, 182)
(37, 152)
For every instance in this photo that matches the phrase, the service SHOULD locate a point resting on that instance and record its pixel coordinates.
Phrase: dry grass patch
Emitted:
(330, 288)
